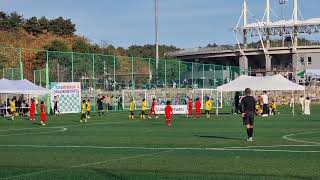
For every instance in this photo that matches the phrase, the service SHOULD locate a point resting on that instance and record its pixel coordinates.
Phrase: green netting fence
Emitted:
(108, 72)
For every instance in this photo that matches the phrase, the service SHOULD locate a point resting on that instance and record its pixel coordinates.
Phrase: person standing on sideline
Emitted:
(265, 101)
(108, 101)
(307, 103)
(301, 103)
(55, 105)
(236, 103)
(247, 108)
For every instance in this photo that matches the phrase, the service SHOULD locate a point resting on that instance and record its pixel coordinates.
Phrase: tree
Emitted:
(82, 46)
(60, 26)
(32, 26)
(15, 21)
(44, 24)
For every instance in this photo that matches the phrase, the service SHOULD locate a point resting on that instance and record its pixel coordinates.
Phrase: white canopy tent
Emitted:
(21, 87)
(266, 83)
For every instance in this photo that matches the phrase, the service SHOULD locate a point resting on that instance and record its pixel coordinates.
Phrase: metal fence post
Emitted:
(93, 82)
(203, 78)
(192, 74)
(132, 76)
(165, 73)
(150, 75)
(47, 81)
(72, 67)
(114, 72)
(21, 65)
(179, 74)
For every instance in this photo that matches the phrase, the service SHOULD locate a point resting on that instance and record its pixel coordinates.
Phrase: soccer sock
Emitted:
(248, 133)
(251, 132)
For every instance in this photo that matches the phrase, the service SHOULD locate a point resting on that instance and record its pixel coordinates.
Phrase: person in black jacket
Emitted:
(247, 108)
(236, 103)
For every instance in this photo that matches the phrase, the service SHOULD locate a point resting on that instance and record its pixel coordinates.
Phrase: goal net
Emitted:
(176, 96)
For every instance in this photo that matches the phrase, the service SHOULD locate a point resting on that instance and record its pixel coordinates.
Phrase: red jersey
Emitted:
(33, 106)
(168, 110)
(42, 108)
(153, 105)
(190, 104)
(198, 105)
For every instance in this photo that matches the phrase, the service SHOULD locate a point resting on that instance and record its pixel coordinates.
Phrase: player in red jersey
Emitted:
(197, 114)
(43, 113)
(168, 113)
(153, 109)
(32, 110)
(189, 103)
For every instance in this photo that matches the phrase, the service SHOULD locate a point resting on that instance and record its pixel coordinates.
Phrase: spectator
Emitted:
(265, 101)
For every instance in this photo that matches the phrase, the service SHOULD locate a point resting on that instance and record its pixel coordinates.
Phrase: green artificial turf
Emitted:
(113, 147)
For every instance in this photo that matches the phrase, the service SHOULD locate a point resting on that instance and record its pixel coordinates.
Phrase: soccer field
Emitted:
(113, 147)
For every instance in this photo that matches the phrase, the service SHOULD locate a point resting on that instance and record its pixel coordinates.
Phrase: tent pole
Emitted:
(6, 104)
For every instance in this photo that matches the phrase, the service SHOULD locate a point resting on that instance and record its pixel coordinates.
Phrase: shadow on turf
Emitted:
(219, 137)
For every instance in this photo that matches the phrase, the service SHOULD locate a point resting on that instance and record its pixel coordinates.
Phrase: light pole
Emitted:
(282, 4)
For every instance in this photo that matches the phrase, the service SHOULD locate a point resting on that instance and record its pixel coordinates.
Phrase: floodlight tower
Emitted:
(282, 4)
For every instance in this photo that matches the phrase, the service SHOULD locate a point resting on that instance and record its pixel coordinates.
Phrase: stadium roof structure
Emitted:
(266, 83)
(286, 27)
(21, 87)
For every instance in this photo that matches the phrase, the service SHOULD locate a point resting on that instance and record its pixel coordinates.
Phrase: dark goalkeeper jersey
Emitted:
(247, 104)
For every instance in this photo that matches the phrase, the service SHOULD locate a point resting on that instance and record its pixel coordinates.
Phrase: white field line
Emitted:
(242, 148)
(87, 164)
(48, 132)
(62, 128)
(287, 137)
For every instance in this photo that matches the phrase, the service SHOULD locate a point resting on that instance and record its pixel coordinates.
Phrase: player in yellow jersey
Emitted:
(131, 108)
(258, 108)
(13, 108)
(88, 109)
(143, 109)
(83, 111)
(208, 107)
(273, 107)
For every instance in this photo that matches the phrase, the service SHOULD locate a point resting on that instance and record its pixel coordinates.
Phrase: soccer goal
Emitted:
(136, 95)
(212, 94)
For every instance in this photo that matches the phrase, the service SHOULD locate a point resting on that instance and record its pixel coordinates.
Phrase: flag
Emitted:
(301, 74)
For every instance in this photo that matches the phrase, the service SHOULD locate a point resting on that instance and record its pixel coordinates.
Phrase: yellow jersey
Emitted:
(13, 106)
(274, 106)
(84, 108)
(208, 105)
(144, 105)
(131, 106)
(88, 106)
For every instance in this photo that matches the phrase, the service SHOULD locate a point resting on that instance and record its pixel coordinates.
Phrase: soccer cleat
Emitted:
(250, 139)
(85, 121)
(80, 121)
(150, 117)
(156, 117)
